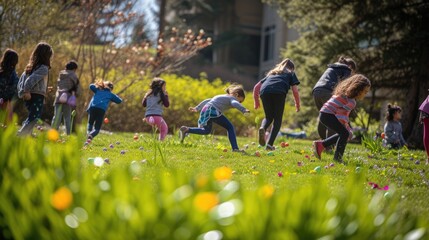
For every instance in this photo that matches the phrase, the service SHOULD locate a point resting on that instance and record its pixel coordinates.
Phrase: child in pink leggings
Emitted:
(424, 118)
(153, 101)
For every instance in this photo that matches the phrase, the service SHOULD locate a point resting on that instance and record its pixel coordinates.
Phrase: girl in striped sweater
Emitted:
(335, 114)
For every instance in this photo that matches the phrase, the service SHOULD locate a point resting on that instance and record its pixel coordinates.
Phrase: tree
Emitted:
(388, 39)
(28, 21)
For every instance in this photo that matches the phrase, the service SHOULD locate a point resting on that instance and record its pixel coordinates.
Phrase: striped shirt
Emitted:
(341, 107)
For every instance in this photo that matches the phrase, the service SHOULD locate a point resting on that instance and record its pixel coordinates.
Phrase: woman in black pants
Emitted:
(273, 89)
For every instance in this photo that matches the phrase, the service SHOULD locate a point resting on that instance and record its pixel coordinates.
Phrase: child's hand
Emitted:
(350, 135)
(192, 109)
(246, 112)
(256, 105)
(26, 96)
(297, 107)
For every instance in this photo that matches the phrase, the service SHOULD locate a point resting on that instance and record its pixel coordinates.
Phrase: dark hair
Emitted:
(352, 86)
(41, 55)
(391, 110)
(156, 87)
(72, 65)
(349, 62)
(236, 88)
(8, 61)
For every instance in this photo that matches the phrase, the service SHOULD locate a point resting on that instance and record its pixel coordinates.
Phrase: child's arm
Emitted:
(144, 102)
(390, 135)
(202, 104)
(116, 99)
(239, 106)
(296, 97)
(256, 91)
(93, 88)
(165, 99)
(35, 77)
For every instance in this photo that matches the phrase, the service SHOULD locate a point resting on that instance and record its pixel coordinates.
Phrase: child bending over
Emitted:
(212, 112)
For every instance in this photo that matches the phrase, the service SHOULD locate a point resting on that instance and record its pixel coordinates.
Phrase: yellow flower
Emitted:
(255, 173)
(223, 173)
(201, 181)
(205, 201)
(62, 198)
(302, 151)
(266, 191)
(53, 135)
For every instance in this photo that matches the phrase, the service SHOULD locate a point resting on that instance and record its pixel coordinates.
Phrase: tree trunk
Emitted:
(162, 6)
(412, 128)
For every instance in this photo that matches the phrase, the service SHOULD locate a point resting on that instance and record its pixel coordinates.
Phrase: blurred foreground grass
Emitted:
(126, 187)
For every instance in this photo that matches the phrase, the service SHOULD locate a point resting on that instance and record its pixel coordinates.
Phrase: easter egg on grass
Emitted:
(106, 120)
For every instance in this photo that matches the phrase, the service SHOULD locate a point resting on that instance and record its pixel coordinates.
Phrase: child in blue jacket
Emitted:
(98, 106)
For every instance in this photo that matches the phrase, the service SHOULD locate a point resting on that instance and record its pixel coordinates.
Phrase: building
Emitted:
(248, 39)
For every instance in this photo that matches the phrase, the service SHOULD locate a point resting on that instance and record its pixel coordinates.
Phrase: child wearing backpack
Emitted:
(67, 86)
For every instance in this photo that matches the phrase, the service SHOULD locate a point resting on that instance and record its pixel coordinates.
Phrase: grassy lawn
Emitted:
(127, 186)
(290, 167)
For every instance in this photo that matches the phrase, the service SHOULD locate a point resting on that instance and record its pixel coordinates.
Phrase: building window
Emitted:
(269, 37)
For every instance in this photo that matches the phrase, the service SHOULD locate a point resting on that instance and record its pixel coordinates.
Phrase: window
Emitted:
(269, 37)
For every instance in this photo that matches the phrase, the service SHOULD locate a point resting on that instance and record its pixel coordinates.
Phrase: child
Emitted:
(8, 81)
(98, 106)
(335, 114)
(272, 90)
(424, 118)
(323, 89)
(68, 85)
(393, 128)
(153, 101)
(33, 84)
(212, 112)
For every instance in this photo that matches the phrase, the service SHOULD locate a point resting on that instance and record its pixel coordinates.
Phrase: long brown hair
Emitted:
(279, 68)
(41, 55)
(8, 61)
(352, 86)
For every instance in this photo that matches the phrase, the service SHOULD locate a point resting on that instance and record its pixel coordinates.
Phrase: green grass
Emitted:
(203, 154)
(158, 198)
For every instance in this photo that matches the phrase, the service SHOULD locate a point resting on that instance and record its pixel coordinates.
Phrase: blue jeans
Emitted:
(62, 111)
(95, 120)
(221, 121)
(34, 107)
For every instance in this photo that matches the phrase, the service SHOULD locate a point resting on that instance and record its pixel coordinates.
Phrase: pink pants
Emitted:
(159, 123)
(426, 135)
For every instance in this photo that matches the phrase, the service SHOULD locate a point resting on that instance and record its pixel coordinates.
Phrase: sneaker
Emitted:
(318, 149)
(270, 148)
(261, 134)
(182, 133)
(240, 151)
